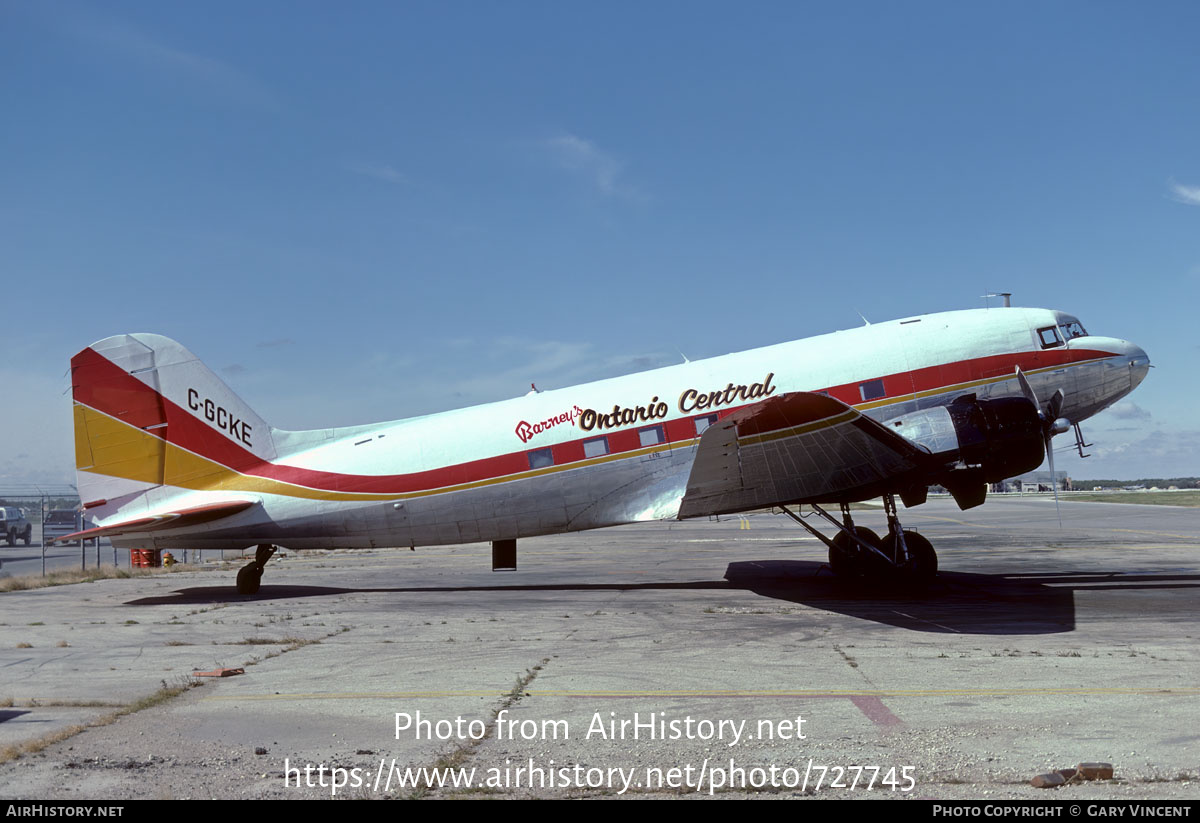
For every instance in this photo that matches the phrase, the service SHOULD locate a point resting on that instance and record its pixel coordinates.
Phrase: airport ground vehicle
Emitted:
(60, 522)
(14, 526)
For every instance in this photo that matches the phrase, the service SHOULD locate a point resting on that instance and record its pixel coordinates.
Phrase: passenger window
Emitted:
(1049, 337)
(595, 447)
(540, 459)
(703, 422)
(651, 435)
(871, 390)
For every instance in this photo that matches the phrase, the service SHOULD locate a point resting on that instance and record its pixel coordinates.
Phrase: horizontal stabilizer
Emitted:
(166, 520)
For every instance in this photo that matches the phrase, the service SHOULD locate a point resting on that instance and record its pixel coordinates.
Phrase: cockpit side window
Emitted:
(1049, 337)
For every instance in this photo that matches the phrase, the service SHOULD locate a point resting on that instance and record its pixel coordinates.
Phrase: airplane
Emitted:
(168, 456)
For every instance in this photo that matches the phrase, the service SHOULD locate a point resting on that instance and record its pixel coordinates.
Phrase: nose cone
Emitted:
(1119, 368)
(1139, 366)
(1131, 357)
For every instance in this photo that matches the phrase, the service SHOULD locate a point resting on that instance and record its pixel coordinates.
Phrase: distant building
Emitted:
(1033, 482)
(1041, 482)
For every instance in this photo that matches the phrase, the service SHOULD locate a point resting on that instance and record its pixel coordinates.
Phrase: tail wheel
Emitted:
(248, 578)
(845, 556)
(921, 566)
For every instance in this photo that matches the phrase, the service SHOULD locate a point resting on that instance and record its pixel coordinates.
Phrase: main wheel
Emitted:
(248, 578)
(845, 556)
(921, 566)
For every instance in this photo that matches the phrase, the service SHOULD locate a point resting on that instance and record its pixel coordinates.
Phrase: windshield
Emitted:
(1073, 328)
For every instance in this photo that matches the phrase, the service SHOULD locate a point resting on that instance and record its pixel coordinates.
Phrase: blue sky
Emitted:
(365, 211)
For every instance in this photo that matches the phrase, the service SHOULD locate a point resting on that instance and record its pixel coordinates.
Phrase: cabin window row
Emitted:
(599, 446)
(654, 435)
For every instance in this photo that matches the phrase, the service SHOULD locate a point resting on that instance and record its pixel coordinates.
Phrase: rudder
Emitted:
(149, 413)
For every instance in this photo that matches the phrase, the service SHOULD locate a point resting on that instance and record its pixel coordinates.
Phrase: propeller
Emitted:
(1052, 423)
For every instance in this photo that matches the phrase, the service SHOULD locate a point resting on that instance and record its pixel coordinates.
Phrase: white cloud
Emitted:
(586, 159)
(447, 374)
(385, 173)
(1185, 194)
(1128, 410)
(505, 367)
(131, 43)
(1156, 453)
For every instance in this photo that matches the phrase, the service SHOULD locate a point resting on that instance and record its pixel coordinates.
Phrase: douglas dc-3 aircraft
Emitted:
(169, 457)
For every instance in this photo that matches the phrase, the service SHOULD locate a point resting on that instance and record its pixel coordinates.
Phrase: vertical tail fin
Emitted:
(148, 413)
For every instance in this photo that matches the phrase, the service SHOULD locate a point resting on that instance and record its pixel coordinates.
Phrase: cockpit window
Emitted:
(1049, 337)
(1072, 329)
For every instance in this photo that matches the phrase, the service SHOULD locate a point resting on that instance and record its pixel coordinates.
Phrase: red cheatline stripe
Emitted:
(102, 385)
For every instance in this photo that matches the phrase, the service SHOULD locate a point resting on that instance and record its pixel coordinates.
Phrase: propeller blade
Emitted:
(1027, 389)
(1054, 408)
(1053, 476)
(1051, 425)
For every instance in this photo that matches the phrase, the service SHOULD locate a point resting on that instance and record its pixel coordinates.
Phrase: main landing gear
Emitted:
(250, 576)
(856, 553)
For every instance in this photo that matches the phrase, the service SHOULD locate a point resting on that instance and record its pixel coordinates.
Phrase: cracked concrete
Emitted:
(1021, 660)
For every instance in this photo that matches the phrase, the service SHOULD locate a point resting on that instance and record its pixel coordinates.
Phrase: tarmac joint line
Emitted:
(459, 756)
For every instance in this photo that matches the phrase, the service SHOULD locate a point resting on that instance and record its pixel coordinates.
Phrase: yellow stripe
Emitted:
(105, 445)
(83, 445)
(127, 449)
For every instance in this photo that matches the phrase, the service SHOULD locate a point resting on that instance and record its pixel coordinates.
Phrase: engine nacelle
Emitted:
(1003, 437)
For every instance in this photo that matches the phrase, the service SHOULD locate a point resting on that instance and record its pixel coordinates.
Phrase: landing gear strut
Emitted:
(857, 553)
(909, 552)
(853, 549)
(250, 576)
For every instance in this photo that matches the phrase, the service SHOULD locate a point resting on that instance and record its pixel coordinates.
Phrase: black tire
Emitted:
(845, 557)
(921, 567)
(28, 535)
(12, 538)
(248, 578)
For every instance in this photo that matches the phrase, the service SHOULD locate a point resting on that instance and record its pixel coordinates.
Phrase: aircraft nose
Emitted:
(1139, 366)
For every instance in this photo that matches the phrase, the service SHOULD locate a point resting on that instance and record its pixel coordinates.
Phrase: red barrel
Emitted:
(145, 558)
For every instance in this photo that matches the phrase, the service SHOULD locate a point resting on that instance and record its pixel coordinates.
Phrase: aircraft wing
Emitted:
(795, 448)
(180, 518)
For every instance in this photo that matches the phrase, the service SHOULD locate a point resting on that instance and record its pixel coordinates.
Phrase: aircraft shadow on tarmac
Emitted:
(957, 602)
